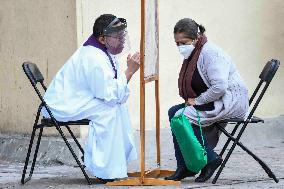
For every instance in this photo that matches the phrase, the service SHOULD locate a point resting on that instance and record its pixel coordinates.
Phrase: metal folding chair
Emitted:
(35, 77)
(266, 77)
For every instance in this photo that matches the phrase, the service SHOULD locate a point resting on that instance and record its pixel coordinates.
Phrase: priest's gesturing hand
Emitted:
(133, 64)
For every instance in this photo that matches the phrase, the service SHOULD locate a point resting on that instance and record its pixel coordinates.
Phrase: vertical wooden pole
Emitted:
(147, 179)
(158, 122)
(142, 92)
(157, 94)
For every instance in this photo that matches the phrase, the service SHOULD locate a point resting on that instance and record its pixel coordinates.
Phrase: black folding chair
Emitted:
(35, 76)
(266, 76)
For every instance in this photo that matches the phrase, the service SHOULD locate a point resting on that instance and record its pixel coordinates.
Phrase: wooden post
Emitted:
(157, 97)
(147, 178)
(142, 91)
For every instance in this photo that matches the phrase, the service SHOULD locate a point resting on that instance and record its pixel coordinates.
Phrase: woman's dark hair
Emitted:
(101, 23)
(189, 27)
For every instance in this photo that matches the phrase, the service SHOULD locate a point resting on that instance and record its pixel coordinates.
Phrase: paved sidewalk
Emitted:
(242, 171)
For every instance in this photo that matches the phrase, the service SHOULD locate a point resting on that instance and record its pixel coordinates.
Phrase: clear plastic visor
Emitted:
(118, 42)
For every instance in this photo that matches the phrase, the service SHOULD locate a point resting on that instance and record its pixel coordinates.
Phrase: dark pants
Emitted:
(211, 155)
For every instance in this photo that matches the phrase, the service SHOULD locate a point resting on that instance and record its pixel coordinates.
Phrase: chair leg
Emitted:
(23, 180)
(73, 154)
(230, 151)
(263, 165)
(229, 140)
(36, 152)
(75, 139)
(236, 142)
(223, 165)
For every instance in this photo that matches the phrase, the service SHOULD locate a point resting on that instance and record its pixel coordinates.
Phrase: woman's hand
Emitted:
(190, 101)
(133, 64)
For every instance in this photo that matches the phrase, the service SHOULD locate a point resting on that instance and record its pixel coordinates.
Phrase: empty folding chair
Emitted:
(35, 77)
(266, 77)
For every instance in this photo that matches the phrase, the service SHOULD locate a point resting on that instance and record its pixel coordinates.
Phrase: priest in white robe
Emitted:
(92, 86)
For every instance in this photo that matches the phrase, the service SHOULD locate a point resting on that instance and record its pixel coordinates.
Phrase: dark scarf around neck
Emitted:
(187, 70)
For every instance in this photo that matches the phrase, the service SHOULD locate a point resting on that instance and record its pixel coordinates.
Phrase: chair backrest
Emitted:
(266, 77)
(269, 70)
(32, 72)
(35, 76)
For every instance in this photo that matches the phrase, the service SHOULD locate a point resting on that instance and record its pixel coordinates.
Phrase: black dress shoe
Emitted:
(180, 174)
(209, 170)
(104, 181)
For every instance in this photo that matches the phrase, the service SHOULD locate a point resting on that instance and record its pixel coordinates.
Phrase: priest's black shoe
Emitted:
(104, 181)
(209, 170)
(180, 174)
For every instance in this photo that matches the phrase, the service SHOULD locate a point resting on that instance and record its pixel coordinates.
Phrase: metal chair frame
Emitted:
(266, 77)
(35, 77)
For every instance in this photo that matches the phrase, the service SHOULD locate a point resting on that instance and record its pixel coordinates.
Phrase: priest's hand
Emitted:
(133, 64)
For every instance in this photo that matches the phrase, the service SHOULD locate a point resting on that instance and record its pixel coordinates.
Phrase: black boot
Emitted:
(104, 181)
(209, 170)
(180, 174)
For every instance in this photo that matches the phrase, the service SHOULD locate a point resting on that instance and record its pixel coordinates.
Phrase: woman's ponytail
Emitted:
(201, 29)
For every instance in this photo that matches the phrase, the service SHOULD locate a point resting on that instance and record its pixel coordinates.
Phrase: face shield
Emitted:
(116, 36)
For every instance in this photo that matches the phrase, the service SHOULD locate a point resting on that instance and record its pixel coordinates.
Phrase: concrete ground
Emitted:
(242, 171)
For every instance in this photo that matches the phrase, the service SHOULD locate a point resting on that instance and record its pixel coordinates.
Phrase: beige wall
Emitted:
(251, 32)
(48, 32)
(40, 31)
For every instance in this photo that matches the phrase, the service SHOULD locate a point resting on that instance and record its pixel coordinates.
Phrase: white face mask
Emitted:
(185, 50)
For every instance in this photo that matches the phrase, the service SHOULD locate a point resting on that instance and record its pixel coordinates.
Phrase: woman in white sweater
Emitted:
(208, 82)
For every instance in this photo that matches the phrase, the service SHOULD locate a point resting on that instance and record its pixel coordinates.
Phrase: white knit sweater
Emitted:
(225, 87)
